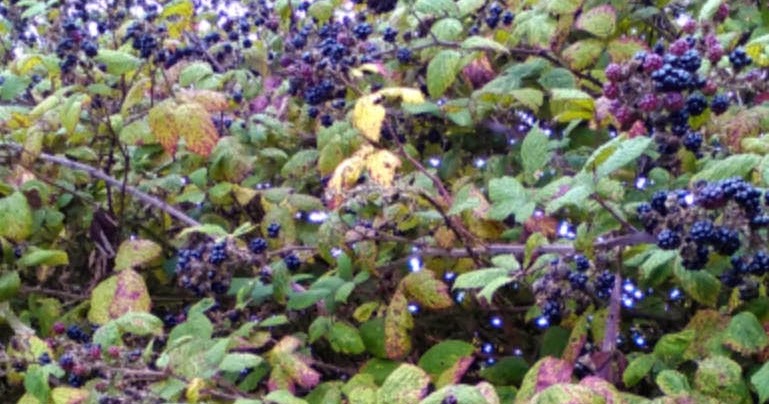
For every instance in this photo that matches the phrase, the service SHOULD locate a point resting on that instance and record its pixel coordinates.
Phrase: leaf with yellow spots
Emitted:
(758, 52)
(194, 124)
(212, 101)
(398, 325)
(69, 395)
(368, 115)
(381, 167)
(163, 126)
(346, 175)
(28, 62)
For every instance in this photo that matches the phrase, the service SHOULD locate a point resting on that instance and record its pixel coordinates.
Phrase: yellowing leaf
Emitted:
(28, 62)
(69, 395)
(407, 95)
(194, 124)
(344, 176)
(212, 101)
(193, 389)
(368, 115)
(118, 295)
(136, 253)
(381, 166)
(135, 95)
(181, 12)
(161, 120)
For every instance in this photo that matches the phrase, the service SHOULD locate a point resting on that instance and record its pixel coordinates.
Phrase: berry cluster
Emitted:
(202, 269)
(720, 217)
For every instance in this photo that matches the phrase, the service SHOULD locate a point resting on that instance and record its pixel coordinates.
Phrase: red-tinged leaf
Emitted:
(398, 324)
(603, 388)
(405, 385)
(455, 373)
(546, 372)
(194, 123)
(117, 295)
(290, 368)
(163, 126)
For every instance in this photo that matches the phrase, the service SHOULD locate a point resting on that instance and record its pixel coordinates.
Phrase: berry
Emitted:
(320, 93)
(649, 103)
(748, 291)
(759, 265)
(257, 245)
(739, 59)
(658, 202)
(711, 196)
(508, 17)
(610, 91)
(693, 141)
(678, 47)
(247, 43)
(552, 311)
(75, 333)
(759, 220)
(94, 351)
(652, 62)
(689, 61)
(701, 231)
(696, 104)
(75, 380)
(237, 97)
(389, 34)
(44, 358)
(668, 239)
(218, 254)
(578, 280)
(698, 260)
(90, 49)
(730, 278)
(725, 241)
(582, 263)
(673, 101)
(362, 31)
(67, 361)
(313, 112)
(614, 72)
(113, 351)
(292, 262)
(403, 55)
(273, 230)
(59, 328)
(719, 104)
(326, 120)
(604, 284)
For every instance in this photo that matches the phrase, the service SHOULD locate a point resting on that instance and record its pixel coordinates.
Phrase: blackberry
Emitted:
(668, 239)
(273, 230)
(257, 245)
(652, 62)
(647, 217)
(326, 120)
(237, 97)
(731, 186)
(649, 103)
(693, 141)
(725, 241)
(690, 60)
(403, 55)
(389, 34)
(313, 112)
(75, 380)
(669, 78)
(759, 265)
(218, 254)
(698, 259)
(508, 17)
(44, 358)
(696, 104)
(711, 196)
(658, 202)
(247, 43)
(552, 311)
(613, 72)
(76, 333)
(89, 48)
(604, 284)
(320, 93)
(581, 262)
(701, 231)
(680, 117)
(292, 262)
(739, 59)
(759, 220)
(611, 90)
(578, 280)
(748, 197)
(219, 288)
(67, 361)
(748, 291)
(362, 31)
(492, 21)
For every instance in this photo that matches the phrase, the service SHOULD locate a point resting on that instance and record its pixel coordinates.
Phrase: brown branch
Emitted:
(111, 181)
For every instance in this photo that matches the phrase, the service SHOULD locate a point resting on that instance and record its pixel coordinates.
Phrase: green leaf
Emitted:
(567, 104)
(737, 165)
(303, 300)
(10, 282)
(345, 338)
(508, 197)
(442, 71)
(447, 29)
(136, 253)
(637, 369)
(436, 7)
(405, 385)
(657, 259)
(479, 278)
(760, 381)
(428, 291)
(464, 200)
(508, 371)
(627, 152)
(444, 355)
(39, 257)
(457, 393)
(139, 323)
(702, 286)
(468, 6)
(235, 362)
(745, 334)
(721, 378)
(546, 372)
(534, 151)
(118, 62)
(671, 347)
(322, 10)
(397, 327)
(584, 53)
(708, 9)
(600, 21)
(563, 6)
(531, 98)
(482, 43)
(15, 217)
(194, 72)
(672, 382)
(557, 78)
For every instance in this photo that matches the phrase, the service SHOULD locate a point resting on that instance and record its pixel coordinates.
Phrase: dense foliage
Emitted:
(415, 201)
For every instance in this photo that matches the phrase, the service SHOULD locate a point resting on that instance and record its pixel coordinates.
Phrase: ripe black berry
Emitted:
(257, 245)
(44, 358)
(701, 231)
(696, 104)
(326, 120)
(507, 17)
(578, 280)
(692, 141)
(719, 104)
(725, 241)
(273, 230)
(604, 284)
(711, 196)
(739, 59)
(668, 239)
(90, 49)
(658, 202)
(218, 253)
(403, 55)
(581, 262)
(759, 265)
(389, 34)
(292, 262)
(362, 31)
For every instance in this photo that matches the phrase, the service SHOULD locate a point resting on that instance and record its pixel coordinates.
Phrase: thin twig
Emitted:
(111, 181)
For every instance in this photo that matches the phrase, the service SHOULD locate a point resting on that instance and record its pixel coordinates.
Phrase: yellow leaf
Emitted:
(181, 12)
(28, 62)
(161, 120)
(212, 101)
(118, 295)
(69, 395)
(367, 68)
(135, 95)
(382, 166)
(194, 123)
(194, 388)
(368, 115)
(407, 95)
(757, 52)
(243, 195)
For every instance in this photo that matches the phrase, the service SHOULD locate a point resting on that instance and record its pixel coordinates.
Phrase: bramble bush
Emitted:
(415, 201)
